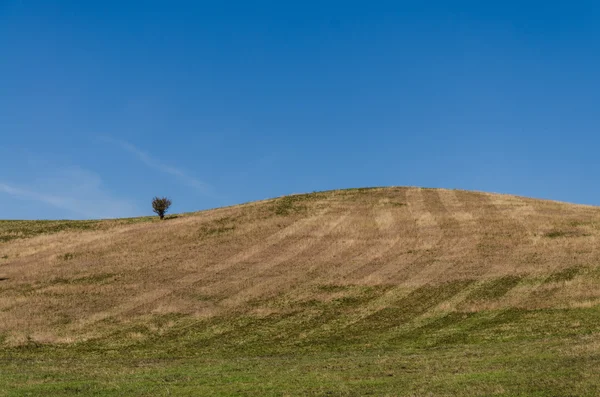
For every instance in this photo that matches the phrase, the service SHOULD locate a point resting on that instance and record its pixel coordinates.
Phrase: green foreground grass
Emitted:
(551, 352)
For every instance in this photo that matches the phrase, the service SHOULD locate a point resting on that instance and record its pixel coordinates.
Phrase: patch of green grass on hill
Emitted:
(494, 289)
(567, 274)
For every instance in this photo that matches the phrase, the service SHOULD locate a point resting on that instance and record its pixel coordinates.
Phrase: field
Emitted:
(384, 291)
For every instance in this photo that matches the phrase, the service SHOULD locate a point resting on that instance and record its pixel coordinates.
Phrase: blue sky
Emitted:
(105, 104)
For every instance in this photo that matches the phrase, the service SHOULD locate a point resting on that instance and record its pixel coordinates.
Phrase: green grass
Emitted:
(320, 348)
(509, 353)
(397, 204)
(565, 233)
(567, 274)
(68, 256)
(494, 289)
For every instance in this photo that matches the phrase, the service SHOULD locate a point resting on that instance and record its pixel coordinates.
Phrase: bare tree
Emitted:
(160, 205)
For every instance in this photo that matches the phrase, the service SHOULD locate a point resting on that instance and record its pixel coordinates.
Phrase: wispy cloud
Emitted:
(75, 190)
(150, 161)
(28, 194)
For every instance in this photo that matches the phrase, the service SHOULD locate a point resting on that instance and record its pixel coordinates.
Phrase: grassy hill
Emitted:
(385, 291)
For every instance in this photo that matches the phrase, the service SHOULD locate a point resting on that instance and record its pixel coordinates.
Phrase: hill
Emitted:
(388, 291)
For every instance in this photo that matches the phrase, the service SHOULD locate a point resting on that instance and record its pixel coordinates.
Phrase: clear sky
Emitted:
(105, 104)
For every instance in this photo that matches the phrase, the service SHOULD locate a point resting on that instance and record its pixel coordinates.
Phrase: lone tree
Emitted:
(160, 206)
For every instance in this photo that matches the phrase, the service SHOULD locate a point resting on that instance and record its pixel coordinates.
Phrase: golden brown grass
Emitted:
(515, 252)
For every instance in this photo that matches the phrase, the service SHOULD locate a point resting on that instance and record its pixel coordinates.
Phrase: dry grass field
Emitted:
(384, 291)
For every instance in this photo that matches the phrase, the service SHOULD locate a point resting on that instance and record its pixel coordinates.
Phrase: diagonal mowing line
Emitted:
(433, 314)
(400, 224)
(371, 252)
(137, 301)
(46, 245)
(462, 241)
(442, 309)
(266, 285)
(427, 227)
(516, 295)
(152, 296)
(244, 255)
(384, 220)
(368, 257)
(457, 209)
(455, 206)
(519, 211)
(290, 282)
(370, 260)
(429, 236)
(236, 276)
(426, 274)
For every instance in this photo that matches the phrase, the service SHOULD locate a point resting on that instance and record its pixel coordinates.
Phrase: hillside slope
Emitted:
(396, 269)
